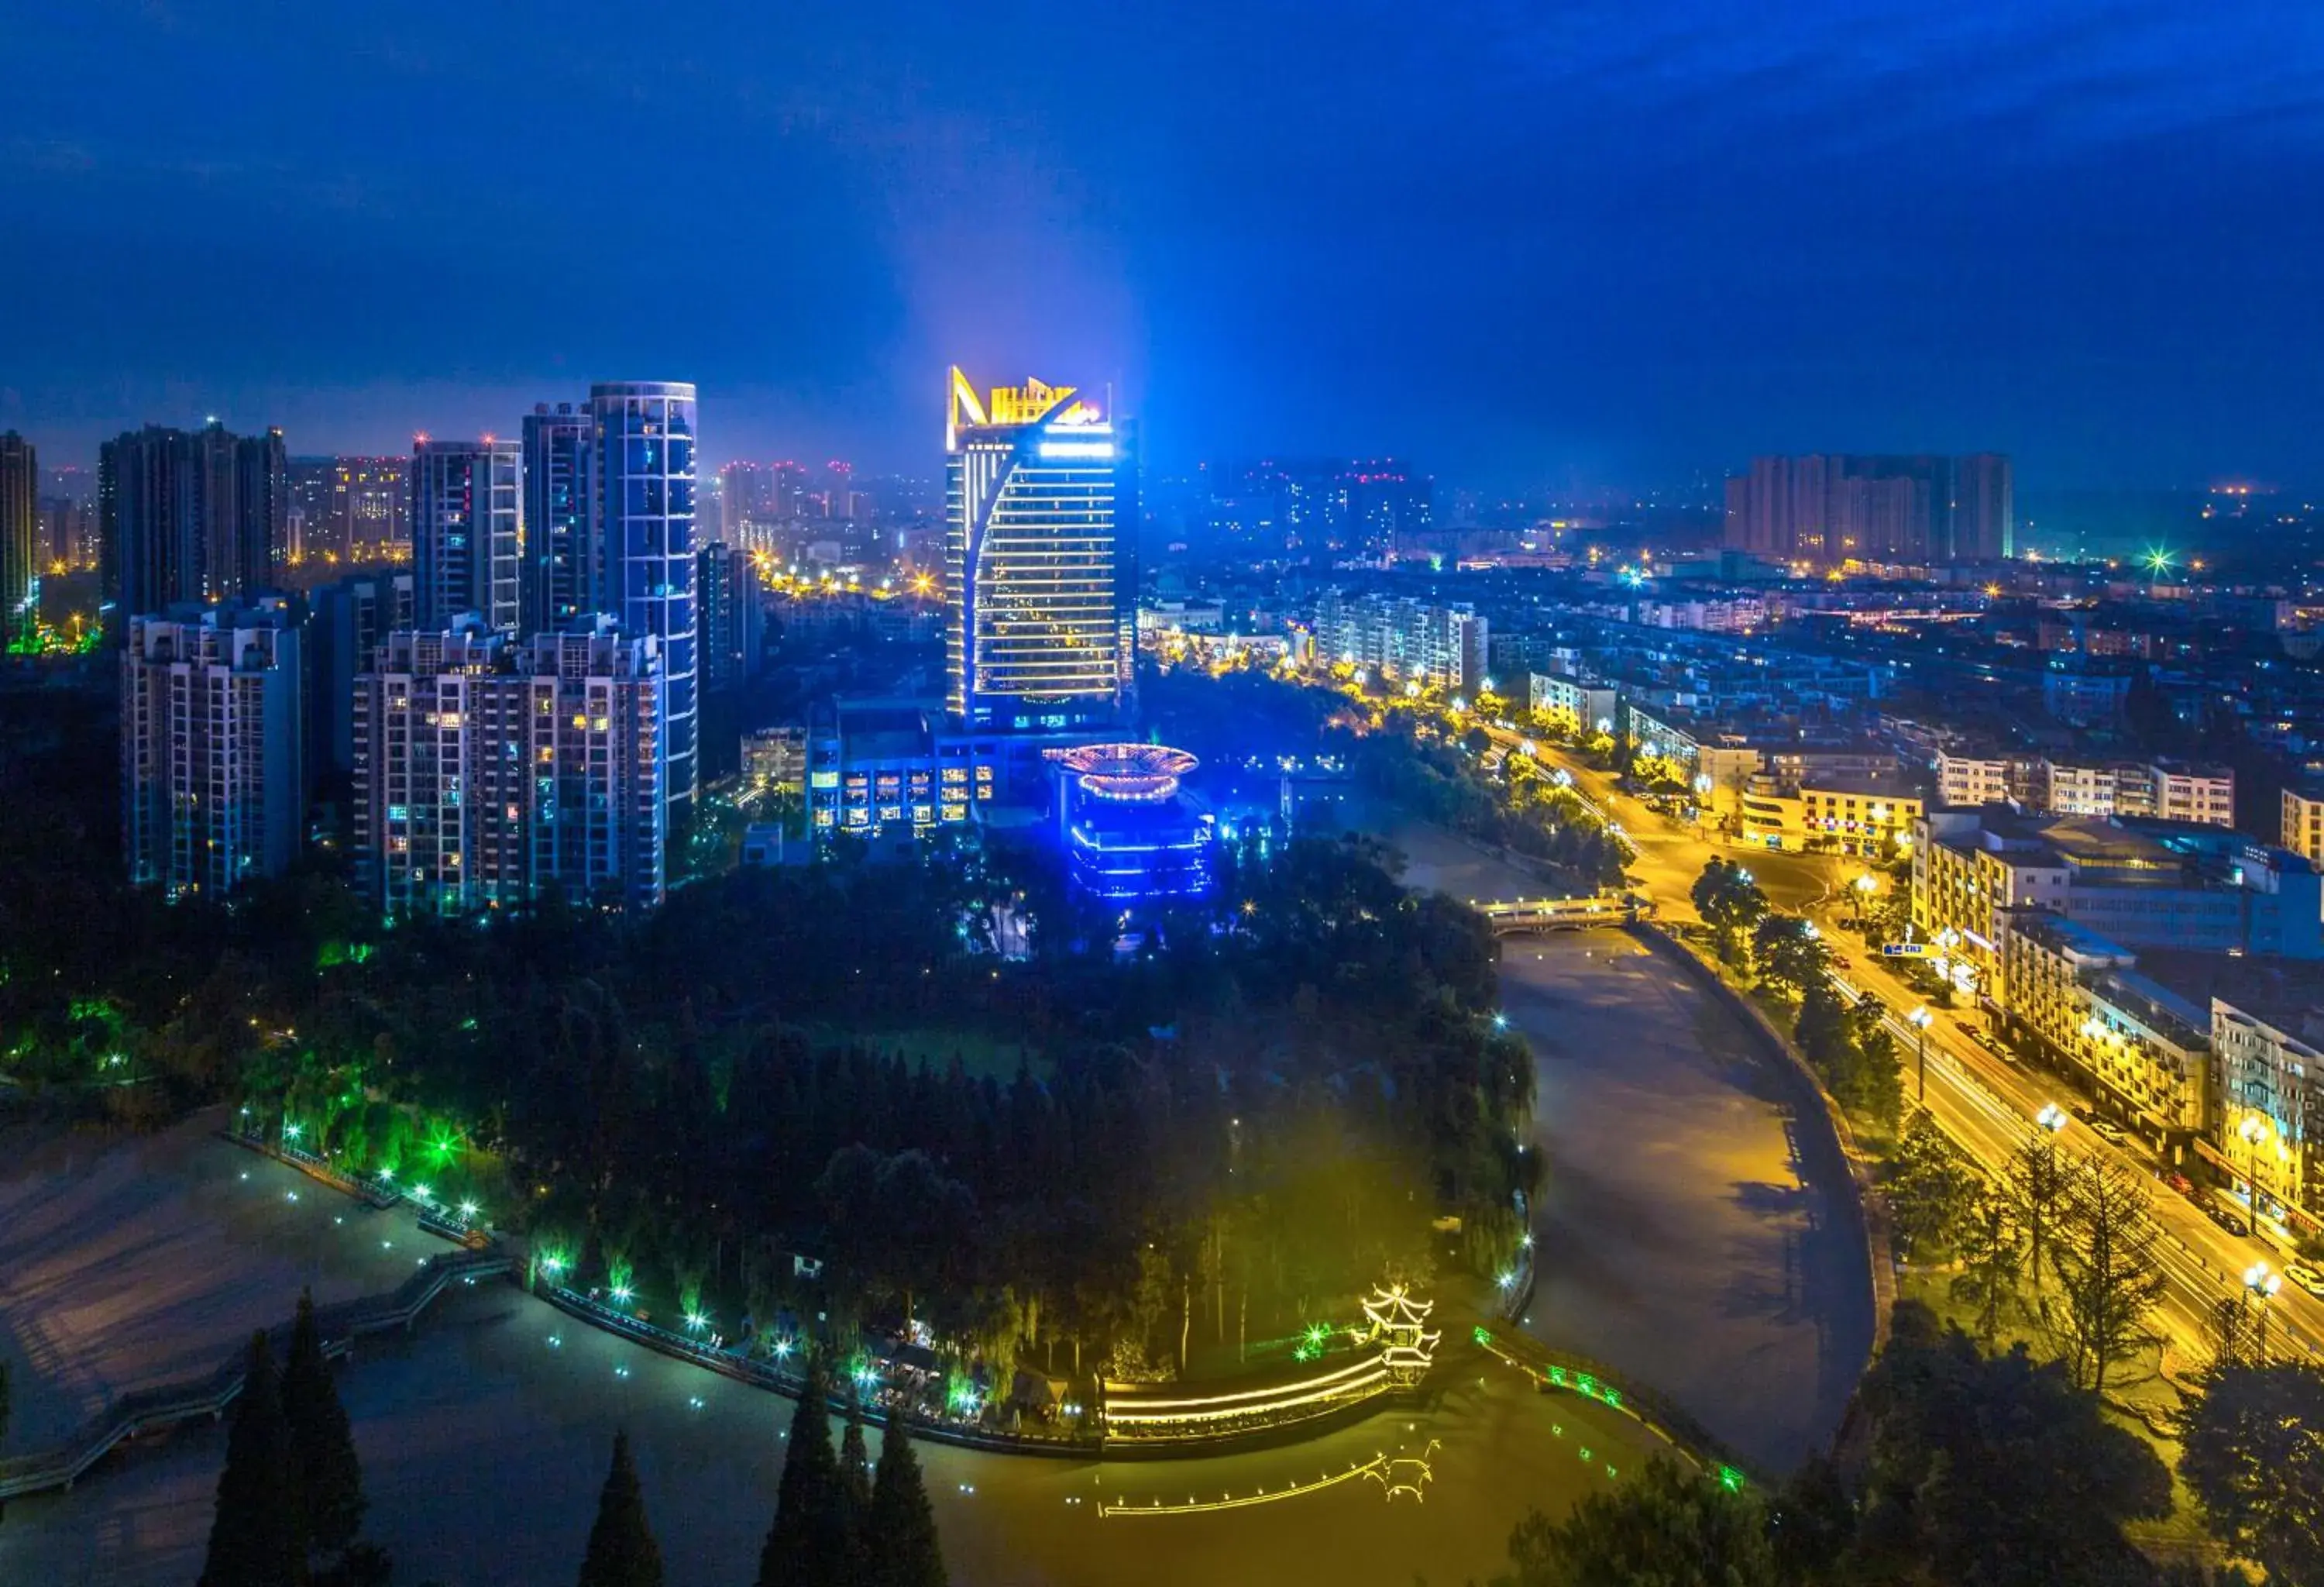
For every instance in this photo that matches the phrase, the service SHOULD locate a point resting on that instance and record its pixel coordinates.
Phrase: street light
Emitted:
(1864, 888)
(1920, 1019)
(2052, 1117)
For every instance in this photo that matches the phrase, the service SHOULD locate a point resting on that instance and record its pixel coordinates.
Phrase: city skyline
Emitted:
(1942, 230)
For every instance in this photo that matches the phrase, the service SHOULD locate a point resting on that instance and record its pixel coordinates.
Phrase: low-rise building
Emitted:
(1581, 704)
(2303, 823)
(1868, 816)
(2270, 1090)
(2144, 1046)
(1971, 779)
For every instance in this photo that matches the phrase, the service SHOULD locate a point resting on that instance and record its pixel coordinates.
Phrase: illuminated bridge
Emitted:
(1516, 917)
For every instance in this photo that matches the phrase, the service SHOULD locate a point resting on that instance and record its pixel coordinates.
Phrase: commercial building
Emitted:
(465, 514)
(558, 550)
(2271, 1106)
(892, 767)
(1129, 834)
(20, 483)
(2144, 1046)
(1041, 537)
(641, 519)
(2141, 884)
(1403, 640)
(191, 516)
(1868, 816)
(489, 771)
(212, 747)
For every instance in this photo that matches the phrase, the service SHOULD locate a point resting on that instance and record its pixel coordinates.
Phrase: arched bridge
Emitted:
(1516, 917)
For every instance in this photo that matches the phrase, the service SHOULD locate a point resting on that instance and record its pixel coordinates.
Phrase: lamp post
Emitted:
(1864, 888)
(2260, 1283)
(1920, 1019)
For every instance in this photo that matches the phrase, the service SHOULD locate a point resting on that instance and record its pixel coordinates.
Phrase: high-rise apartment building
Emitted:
(733, 619)
(201, 516)
(1443, 646)
(641, 516)
(464, 532)
(1041, 520)
(20, 485)
(373, 505)
(347, 621)
(212, 747)
(317, 532)
(489, 770)
(1833, 508)
(558, 550)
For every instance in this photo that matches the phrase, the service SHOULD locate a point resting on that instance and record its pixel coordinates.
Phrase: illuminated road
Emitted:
(1984, 1104)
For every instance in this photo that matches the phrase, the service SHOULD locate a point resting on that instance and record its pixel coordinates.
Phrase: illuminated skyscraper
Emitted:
(19, 482)
(464, 532)
(1041, 516)
(558, 574)
(642, 520)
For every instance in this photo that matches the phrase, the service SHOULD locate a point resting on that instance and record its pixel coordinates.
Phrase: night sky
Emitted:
(1556, 243)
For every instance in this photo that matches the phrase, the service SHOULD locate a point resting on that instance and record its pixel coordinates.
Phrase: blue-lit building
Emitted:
(1040, 561)
(1129, 834)
(558, 555)
(642, 470)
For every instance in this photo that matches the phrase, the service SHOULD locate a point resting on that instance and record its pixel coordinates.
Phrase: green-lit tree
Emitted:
(1668, 1526)
(810, 1544)
(2252, 1450)
(253, 1540)
(622, 1552)
(901, 1549)
(326, 1491)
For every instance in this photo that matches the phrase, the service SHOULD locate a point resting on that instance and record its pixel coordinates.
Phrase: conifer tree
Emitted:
(622, 1548)
(855, 1469)
(252, 1541)
(810, 1544)
(900, 1545)
(326, 1491)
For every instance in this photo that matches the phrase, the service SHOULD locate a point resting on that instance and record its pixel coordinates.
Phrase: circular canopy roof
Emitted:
(1132, 773)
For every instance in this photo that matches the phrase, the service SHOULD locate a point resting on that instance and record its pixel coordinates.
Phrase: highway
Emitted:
(1987, 1106)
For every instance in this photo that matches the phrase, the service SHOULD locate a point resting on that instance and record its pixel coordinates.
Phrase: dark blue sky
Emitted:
(1545, 241)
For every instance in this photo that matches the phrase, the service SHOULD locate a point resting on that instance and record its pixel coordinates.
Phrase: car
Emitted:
(2308, 1279)
(1843, 962)
(2179, 1183)
(2108, 1131)
(2234, 1223)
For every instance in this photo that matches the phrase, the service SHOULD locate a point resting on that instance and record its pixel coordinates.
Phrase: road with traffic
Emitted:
(1986, 1105)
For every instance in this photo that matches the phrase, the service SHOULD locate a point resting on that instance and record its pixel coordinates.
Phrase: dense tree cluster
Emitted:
(1980, 1471)
(1205, 1140)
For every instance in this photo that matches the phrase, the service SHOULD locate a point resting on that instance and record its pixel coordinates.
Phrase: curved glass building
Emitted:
(1040, 553)
(641, 512)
